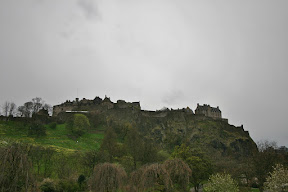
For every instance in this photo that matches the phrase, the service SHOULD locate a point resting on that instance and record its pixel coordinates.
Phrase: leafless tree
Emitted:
(266, 145)
(12, 109)
(6, 108)
(107, 177)
(38, 104)
(9, 108)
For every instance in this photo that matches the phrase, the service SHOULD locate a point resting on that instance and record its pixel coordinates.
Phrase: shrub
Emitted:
(67, 185)
(53, 125)
(221, 183)
(48, 185)
(37, 129)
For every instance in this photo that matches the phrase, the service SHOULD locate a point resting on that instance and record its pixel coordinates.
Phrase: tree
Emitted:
(78, 124)
(264, 160)
(109, 144)
(201, 170)
(15, 168)
(277, 180)
(32, 107)
(91, 158)
(200, 166)
(9, 109)
(6, 108)
(150, 152)
(134, 145)
(38, 104)
(153, 177)
(179, 172)
(42, 158)
(107, 177)
(26, 110)
(221, 183)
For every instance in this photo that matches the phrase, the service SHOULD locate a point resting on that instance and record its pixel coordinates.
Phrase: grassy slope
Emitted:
(57, 138)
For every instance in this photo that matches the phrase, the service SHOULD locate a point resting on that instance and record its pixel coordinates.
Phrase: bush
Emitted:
(48, 185)
(67, 185)
(37, 129)
(221, 183)
(53, 125)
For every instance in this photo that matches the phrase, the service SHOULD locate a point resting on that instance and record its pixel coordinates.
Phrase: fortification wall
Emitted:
(160, 114)
(62, 108)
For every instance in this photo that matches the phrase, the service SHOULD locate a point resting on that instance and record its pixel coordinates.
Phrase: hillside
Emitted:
(58, 138)
(168, 128)
(171, 128)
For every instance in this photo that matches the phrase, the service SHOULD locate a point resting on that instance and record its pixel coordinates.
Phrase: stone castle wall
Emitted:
(98, 105)
(94, 105)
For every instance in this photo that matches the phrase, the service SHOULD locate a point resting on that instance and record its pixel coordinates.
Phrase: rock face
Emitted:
(215, 137)
(169, 128)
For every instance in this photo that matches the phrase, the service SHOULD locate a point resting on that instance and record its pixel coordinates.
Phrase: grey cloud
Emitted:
(173, 97)
(89, 8)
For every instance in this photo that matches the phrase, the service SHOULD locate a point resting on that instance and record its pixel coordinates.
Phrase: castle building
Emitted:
(208, 111)
(86, 105)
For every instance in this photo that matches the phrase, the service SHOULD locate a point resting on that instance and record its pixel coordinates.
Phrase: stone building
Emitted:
(93, 105)
(208, 111)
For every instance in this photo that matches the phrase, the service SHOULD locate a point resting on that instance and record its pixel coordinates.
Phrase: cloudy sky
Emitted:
(173, 53)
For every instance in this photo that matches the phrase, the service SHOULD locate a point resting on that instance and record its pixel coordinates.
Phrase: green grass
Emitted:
(58, 138)
(255, 190)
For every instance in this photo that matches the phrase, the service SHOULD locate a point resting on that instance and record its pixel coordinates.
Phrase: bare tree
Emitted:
(38, 104)
(9, 108)
(34, 106)
(13, 108)
(6, 108)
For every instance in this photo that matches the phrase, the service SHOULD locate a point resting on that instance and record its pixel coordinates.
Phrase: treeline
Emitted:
(129, 161)
(10, 109)
(27, 167)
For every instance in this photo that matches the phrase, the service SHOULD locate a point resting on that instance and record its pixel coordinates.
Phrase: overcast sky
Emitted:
(173, 53)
